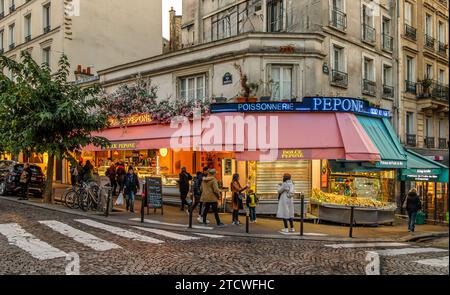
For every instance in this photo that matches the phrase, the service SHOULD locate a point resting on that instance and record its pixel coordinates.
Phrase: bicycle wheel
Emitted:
(84, 200)
(70, 199)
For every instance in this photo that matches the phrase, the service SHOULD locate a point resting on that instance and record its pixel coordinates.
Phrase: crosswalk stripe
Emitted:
(171, 224)
(404, 251)
(439, 262)
(17, 236)
(119, 231)
(209, 236)
(167, 234)
(82, 237)
(365, 245)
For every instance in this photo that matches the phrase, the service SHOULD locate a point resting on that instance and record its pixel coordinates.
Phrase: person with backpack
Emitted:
(286, 191)
(25, 180)
(413, 205)
(111, 174)
(252, 201)
(236, 201)
(131, 188)
(120, 176)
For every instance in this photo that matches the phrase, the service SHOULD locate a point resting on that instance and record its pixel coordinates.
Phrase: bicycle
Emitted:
(89, 196)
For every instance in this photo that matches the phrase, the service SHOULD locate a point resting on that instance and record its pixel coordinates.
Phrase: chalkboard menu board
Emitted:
(154, 192)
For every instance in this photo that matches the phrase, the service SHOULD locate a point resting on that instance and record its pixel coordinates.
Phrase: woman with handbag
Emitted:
(236, 200)
(285, 211)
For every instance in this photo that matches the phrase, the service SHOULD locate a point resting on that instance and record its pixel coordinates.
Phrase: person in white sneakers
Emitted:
(286, 191)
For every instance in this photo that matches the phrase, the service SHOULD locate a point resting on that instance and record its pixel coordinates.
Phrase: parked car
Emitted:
(10, 176)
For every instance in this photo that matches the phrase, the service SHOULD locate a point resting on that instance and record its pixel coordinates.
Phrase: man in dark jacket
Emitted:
(25, 180)
(111, 174)
(131, 187)
(413, 205)
(183, 182)
(120, 174)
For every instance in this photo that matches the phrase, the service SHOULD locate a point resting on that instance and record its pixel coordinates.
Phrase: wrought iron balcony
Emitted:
(12, 46)
(410, 87)
(338, 19)
(443, 143)
(388, 42)
(369, 87)
(339, 78)
(411, 140)
(28, 38)
(368, 33)
(429, 42)
(388, 91)
(429, 142)
(442, 48)
(432, 89)
(47, 29)
(410, 32)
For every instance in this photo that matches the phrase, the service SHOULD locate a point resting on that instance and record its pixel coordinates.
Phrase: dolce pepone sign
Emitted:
(309, 104)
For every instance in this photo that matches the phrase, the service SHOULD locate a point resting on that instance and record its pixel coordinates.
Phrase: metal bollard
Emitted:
(108, 201)
(352, 219)
(142, 208)
(247, 221)
(302, 212)
(190, 215)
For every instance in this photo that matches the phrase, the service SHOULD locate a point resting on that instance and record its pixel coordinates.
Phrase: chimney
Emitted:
(175, 30)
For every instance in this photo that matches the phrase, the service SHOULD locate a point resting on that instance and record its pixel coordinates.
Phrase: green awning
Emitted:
(385, 140)
(420, 168)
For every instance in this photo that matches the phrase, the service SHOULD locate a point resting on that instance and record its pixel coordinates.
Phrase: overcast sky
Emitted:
(166, 4)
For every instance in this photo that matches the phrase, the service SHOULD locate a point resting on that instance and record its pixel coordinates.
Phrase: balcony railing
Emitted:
(368, 33)
(432, 89)
(12, 46)
(12, 8)
(339, 78)
(28, 38)
(47, 29)
(338, 19)
(388, 91)
(429, 142)
(410, 32)
(410, 87)
(443, 143)
(369, 87)
(411, 140)
(388, 42)
(442, 49)
(429, 42)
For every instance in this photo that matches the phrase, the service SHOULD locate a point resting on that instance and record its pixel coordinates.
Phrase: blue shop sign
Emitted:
(309, 104)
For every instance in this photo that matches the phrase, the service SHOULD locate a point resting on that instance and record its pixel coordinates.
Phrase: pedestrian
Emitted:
(197, 194)
(120, 175)
(252, 201)
(88, 172)
(80, 172)
(25, 180)
(236, 198)
(111, 174)
(183, 181)
(210, 196)
(131, 188)
(74, 174)
(285, 210)
(413, 205)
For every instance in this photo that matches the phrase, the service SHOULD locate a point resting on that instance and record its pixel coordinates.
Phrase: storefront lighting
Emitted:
(115, 153)
(163, 152)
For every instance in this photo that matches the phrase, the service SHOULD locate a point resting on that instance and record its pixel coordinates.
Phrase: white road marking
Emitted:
(210, 236)
(305, 234)
(171, 224)
(17, 236)
(365, 245)
(82, 237)
(167, 234)
(120, 231)
(404, 251)
(438, 262)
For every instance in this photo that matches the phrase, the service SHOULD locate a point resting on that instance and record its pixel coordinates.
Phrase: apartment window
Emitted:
(410, 132)
(441, 77)
(339, 76)
(388, 89)
(386, 34)
(410, 75)
(441, 32)
(369, 85)
(193, 87)
(12, 36)
(2, 41)
(338, 16)
(27, 28)
(2, 8)
(47, 16)
(368, 30)
(443, 134)
(428, 25)
(46, 56)
(408, 14)
(429, 127)
(429, 71)
(274, 15)
(282, 82)
(12, 6)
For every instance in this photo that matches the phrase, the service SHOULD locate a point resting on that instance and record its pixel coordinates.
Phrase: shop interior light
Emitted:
(115, 153)
(163, 152)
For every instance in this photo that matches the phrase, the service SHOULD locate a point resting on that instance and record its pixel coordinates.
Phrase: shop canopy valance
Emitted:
(420, 168)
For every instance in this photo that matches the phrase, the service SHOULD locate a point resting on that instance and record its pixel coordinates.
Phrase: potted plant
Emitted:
(247, 88)
(267, 90)
(426, 84)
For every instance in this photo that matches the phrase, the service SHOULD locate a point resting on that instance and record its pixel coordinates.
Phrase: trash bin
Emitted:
(420, 218)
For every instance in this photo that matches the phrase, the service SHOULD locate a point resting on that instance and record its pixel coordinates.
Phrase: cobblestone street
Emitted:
(107, 248)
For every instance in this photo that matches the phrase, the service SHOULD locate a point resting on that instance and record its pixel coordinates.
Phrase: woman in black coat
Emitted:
(413, 205)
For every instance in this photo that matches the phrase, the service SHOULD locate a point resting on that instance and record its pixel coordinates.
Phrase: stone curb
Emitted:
(231, 234)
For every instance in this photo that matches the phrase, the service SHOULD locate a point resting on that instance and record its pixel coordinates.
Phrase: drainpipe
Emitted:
(397, 58)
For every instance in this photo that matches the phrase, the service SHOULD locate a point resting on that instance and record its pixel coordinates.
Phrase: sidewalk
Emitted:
(174, 219)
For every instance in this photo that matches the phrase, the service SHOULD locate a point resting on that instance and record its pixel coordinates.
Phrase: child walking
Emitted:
(251, 202)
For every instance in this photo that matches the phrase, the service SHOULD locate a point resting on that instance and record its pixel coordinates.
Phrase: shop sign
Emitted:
(391, 164)
(122, 146)
(153, 190)
(309, 104)
(417, 177)
(227, 79)
(132, 120)
(291, 154)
